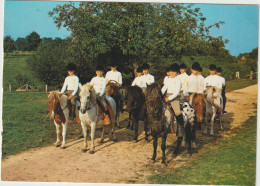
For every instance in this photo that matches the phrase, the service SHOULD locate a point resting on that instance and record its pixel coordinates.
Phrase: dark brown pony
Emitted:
(156, 118)
(112, 90)
(136, 108)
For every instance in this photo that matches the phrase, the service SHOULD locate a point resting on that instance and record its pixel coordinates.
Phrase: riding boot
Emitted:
(180, 126)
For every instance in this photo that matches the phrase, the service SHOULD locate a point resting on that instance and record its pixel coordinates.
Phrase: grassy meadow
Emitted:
(230, 162)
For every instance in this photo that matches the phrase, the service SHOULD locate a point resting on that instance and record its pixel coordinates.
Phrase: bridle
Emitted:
(90, 105)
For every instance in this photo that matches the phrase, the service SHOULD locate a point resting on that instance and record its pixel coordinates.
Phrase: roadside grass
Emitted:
(239, 83)
(230, 162)
(23, 122)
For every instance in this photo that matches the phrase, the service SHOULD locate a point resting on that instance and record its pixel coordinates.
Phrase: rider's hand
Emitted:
(108, 81)
(166, 99)
(70, 97)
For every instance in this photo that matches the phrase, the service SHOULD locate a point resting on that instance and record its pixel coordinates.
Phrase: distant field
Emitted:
(231, 162)
(239, 83)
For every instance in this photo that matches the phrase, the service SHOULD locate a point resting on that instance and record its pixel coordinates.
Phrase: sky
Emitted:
(240, 28)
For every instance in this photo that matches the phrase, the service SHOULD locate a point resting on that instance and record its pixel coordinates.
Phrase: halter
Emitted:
(91, 105)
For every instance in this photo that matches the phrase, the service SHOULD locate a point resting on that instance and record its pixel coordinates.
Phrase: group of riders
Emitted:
(177, 88)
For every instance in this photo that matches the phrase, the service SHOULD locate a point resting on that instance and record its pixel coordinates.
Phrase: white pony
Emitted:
(59, 112)
(89, 114)
(214, 105)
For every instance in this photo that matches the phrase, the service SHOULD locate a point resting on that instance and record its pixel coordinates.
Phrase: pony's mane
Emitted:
(54, 94)
(153, 90)
(198, 98)
(134, 91)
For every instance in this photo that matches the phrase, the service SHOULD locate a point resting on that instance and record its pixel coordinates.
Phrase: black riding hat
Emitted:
(71, 67)
(200, 69)
(219, 69)
(145, 66)
(195, 66)
(183, 66)
(175, 67)
(212, 67)
(99, 68)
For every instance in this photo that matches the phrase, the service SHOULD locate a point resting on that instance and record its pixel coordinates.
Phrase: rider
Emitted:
(212, 79)
(202, 79)
(222, 79)
(184, 80)
(173, 88)
(138, 80)
(167, 75)
(71, 85)
(147, 78)
(113, 76)
(99, 85)
(194, 84)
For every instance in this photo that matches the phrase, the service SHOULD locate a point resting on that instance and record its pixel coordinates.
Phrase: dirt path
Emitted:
(124, 161)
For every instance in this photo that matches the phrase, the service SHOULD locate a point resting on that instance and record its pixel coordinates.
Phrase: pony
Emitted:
(89, 115)
(112, 90)
(59, 112)
(214, 105)
(136, 108)
(160, 119)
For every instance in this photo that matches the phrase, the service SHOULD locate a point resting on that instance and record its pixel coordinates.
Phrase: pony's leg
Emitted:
(57, 144)
(178, 146)
(102, 135)
(64, 131)
(212, 121)
(193, 135)
(163, 147)
(129, 121)
(93, 130)
(205, 131)
(117, 119)
(113, 129)
(136, 120)
(84, 131)
(146, 128)
(220, 120)
(155, 142)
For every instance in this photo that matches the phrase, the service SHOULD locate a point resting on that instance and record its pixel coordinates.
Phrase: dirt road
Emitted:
(124, 161)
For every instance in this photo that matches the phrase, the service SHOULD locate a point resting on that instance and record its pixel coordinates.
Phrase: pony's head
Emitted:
(154, 101)
(214, 96)
(135, 98)
(199, 104)
(54, 103)
(87, 97)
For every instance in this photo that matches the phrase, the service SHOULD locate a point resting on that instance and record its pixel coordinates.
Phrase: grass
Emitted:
(238, 84)
(231, 162)
(14, 65)
(23, 122)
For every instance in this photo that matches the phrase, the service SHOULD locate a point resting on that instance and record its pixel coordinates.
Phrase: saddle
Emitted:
(105, 111)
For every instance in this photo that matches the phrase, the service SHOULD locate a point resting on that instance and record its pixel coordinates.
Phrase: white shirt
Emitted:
(203, 81)
(172, 86)
(195, 85)
(147, 79)
(222, 80)
(165, 79)
(99, 84)
(71, 83)
(114, 75)
(138, 82)
(213, 80)
(184, 81)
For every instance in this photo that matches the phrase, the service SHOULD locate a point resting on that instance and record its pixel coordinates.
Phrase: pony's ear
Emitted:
(80, 86)
(60, 94)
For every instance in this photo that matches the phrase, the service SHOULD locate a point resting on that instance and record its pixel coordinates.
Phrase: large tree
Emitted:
(32, 41)
(139, 32)
(9, 44)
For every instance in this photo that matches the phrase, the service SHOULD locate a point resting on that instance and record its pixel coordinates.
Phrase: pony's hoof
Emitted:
(91, 152)
(63, 147)
(101, 141)
(152, 161)
(211, 134)
(194, 145)
(164, 165)
(84, 150)
(57, 144)
(115, 140)
(174, 155)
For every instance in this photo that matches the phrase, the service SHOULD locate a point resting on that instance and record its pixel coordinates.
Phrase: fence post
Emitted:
(10, 88)
(46, 88)
(251, 75)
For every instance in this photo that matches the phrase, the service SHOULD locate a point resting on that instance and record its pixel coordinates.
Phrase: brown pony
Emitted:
(112, 90)
(199, 104)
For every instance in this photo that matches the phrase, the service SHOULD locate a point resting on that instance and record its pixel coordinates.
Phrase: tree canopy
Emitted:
(139, 32)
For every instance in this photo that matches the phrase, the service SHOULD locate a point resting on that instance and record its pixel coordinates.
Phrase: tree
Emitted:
(9, 44)
(142, 32)
(33, 40)
(49, 62)
(21, 44)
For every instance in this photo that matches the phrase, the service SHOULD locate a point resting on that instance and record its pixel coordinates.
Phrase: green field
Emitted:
(231, 162)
